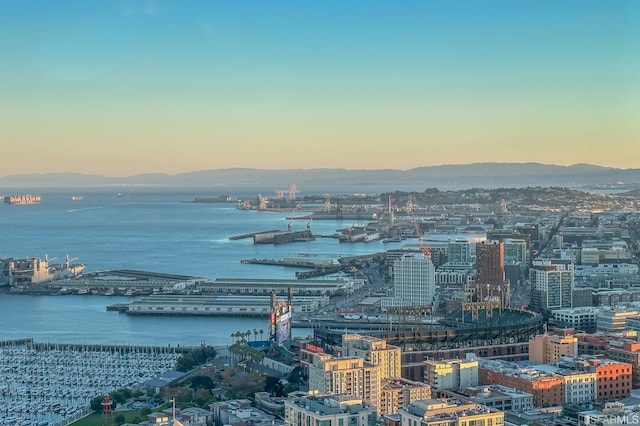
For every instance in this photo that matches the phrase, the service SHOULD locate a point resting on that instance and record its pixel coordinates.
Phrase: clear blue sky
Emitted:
(124, 87)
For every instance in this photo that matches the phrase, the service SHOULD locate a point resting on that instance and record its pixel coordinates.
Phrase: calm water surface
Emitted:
(153, 231)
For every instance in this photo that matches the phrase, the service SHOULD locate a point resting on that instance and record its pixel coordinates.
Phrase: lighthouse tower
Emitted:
(107, 410)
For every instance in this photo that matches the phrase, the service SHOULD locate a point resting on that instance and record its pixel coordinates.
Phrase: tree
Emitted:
(119, 419)
(96, 403)
(261, 331)
(202, 396)
(202, 382)
(255, 334)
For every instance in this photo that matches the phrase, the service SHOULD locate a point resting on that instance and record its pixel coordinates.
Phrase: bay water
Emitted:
(151, 230)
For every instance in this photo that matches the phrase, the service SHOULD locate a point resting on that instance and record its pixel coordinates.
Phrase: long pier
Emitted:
(250, 235)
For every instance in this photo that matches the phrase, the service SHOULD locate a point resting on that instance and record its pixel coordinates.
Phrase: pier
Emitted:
(250, 235)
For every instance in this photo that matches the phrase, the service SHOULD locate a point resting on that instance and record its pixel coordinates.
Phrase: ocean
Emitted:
(150, 230)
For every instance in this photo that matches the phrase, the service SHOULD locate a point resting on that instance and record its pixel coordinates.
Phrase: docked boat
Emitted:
(18, 200)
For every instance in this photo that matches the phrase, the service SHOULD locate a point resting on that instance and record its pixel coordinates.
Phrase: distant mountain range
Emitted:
(484, 175)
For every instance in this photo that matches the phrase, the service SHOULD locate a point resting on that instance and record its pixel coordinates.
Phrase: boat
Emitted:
(32, 270)
(77, 198)
(18, 200)
(218, 199)
(129, 292)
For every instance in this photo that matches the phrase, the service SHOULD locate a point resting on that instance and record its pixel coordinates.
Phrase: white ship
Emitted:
(29, 271)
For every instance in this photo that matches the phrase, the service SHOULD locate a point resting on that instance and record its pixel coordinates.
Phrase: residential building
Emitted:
(547, 349)
(490, 267)
(375, 351)
(398, 393)
(451, 374)
(551, 286)
(345, 376)
(437, 412)
(328, 410)
(413, 282)
(515, 251)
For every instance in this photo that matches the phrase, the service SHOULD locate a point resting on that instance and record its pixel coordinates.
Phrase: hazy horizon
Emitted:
(158, 86)
(315, 168)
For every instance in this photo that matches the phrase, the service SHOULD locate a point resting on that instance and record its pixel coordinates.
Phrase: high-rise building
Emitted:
(515, 251)
(459, 251)
(376, 351)
(414, 282)
(395, 391)
(551, 286)
(490, 278)
(345, 375)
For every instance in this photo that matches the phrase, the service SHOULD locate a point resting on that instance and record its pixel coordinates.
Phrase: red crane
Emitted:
(424, 248)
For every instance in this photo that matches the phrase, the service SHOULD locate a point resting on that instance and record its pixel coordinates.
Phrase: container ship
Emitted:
(21, 199)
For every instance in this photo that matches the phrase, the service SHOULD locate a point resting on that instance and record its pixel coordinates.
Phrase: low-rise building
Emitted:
(398, 393)
(547, 388)
(328, 410)
(495, 396)
(548, 348)
(451, 374)
(438, 412)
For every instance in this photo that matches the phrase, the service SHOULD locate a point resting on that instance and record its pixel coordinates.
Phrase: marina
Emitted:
(54, 383)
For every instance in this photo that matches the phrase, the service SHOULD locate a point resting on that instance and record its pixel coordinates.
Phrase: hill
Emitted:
(461, 175)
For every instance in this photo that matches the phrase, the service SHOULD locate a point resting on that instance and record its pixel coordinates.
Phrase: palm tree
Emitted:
(248, 334)
(255, 334)
(261, 331)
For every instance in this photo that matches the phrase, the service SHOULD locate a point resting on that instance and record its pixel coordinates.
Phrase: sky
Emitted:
(123, 87)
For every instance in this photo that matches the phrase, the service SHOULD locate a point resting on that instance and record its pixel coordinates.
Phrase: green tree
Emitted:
(96, 403)
(202, 396)
(119, 419)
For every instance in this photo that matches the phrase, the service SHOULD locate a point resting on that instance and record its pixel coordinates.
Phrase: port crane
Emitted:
(67, 261)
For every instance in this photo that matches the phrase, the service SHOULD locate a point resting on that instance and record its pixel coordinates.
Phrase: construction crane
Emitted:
(424, 248)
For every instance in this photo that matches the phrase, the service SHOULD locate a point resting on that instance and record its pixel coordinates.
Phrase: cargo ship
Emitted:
(217, 199)
(21, 199)
(29, 271)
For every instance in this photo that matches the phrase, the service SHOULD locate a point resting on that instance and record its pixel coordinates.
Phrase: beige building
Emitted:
(328, 410)
(436, 412)
(375, 351)
(345, 376)
(399, 393)
(547, 349)
(451, 374)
